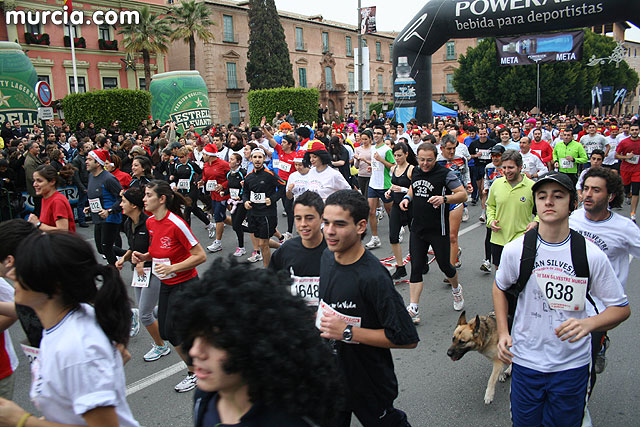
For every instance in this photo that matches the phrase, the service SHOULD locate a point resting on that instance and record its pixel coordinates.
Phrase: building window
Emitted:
(451, 49)
(349, 46)
(43, 79)
(232, 78)
(450, 88)
(109, 82)
(378, 51)
(228, 28)
(380, 84)
(299, 39)
(234, 112)
(302, 77)
(104, 32)
(82, 86)
(75, 31)
(325, 42)
(33, 28)
(352, 83)
(142, 83)
(328, 78)
(390, 53)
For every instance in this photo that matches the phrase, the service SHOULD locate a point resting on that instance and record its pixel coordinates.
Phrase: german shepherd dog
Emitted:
(481, 335)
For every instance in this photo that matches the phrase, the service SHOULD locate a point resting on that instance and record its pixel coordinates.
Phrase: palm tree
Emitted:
(191, 19)
(149, 36)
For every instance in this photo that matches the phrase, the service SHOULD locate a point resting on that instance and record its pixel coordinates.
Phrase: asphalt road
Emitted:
(434, 391)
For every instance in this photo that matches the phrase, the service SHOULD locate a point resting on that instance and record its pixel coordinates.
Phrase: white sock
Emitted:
(413, 306)
(455, 290)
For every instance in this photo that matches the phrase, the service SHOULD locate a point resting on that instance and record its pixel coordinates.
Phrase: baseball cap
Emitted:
(557, 177)
(497, 149)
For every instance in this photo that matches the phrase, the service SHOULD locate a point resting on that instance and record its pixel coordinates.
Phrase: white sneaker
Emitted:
(415, 316)
(255, 257)
(465, 215)
(135, 322)
(486, 266)
(458, 299)
(401, 236)
(211, 228)
(157, 352)
(240, 252)
(483, 217)
(187, 384)
(373, 243)
(379, 214)
(215, 246)
(286, 236)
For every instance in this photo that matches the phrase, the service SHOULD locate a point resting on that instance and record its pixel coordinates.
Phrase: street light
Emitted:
(243, 113)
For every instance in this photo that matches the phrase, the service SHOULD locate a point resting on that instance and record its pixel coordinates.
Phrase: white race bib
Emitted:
(94, 205)
(306, 288)
(376, 165)
(138, 281)
(634, 159)
(485, 154)
(325, 309)
(33, 355)
(184, 184)
(257, 197)
(158, 261)
(566, 164)
(276, 163)
(563, 292)
(284, 166)
(234, 193)
(211, 185)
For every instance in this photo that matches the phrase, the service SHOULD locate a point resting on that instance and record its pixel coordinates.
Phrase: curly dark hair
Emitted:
(614, 184)
(268, 334)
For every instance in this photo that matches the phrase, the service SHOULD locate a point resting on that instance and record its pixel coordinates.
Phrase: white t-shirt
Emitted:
(327, 182)
(532, 164)
(379, 173)
(6, 295)
(611, 157)
(414, 146)
(300, 183)
(535, 344)
(78, 370)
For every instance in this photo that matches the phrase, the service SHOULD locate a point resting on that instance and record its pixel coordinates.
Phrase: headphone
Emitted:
(573, 202)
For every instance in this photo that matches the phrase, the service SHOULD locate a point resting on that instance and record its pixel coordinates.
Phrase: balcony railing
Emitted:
(235, 84)
(230, 38)
(302, 47)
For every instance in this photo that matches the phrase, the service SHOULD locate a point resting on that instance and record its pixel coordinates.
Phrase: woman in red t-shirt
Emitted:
(114, 168)
(175, 253)
(56, 213)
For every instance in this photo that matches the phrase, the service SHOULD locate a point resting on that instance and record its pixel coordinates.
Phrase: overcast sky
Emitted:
(391, 15)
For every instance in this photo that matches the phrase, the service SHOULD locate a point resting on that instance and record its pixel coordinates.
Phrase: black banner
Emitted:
(540, 48)
(368, 23)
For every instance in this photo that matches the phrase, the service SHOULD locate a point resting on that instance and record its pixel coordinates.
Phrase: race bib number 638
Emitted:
(563, 292)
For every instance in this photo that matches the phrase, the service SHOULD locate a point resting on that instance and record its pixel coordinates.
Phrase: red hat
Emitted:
(299, 156)
(416, 132)
(210, 149)
(285, 126)
(100, 156)
(317, 146)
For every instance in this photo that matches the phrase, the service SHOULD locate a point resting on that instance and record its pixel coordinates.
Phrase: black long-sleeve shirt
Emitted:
(263, 182)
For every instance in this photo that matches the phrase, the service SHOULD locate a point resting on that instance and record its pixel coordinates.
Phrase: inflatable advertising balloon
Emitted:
(441, 20)
(18, 78)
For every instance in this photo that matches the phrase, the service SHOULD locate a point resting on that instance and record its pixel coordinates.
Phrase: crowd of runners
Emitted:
(270, 346)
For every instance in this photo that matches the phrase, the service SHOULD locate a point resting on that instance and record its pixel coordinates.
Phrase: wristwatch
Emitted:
(38, 224)
(347, 335)
(444, 198)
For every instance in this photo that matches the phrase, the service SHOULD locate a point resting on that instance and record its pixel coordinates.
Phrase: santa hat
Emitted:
(210, 149)
(317, 146)
(100, 156)
(299, 156)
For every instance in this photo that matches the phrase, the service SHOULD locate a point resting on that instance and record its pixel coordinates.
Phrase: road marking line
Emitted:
(471, 227)
(152, 379)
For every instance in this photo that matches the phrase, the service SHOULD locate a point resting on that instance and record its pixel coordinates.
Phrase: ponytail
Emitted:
(112, 305)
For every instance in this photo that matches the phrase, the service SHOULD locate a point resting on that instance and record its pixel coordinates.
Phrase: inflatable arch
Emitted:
(441, 20)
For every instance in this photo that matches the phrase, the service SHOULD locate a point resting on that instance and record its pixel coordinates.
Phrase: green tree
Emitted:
(149, 36)
(481, 82)
(191, 19)
(269, 65)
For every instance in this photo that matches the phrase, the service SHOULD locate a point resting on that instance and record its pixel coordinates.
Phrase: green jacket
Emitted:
(575, 150)
(512, 207)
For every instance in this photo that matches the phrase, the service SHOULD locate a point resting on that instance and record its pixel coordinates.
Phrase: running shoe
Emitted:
(415, 316)
(211, 228)
(465, 215)
(486, 266)
(459, 259)
(474, 202)
(255, 257)
(458, 299)
(373, 243)
(240, 252)
(187, 384)
(483, 217)
(401, 235)
(400, 272)
(216, 246)
(156, 352)
(379, 214)
(286, 236)
(135, 322)
(601, 358)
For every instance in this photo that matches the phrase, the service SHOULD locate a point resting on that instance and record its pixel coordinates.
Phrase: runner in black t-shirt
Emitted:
(480, 150)
(359, 304)
(301, 255)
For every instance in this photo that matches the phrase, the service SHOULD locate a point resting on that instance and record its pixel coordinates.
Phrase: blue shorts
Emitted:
(372, 193)
(219, 210)
(549, 399)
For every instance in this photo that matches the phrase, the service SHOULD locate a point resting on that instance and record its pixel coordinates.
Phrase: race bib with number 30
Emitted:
(563, 292)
